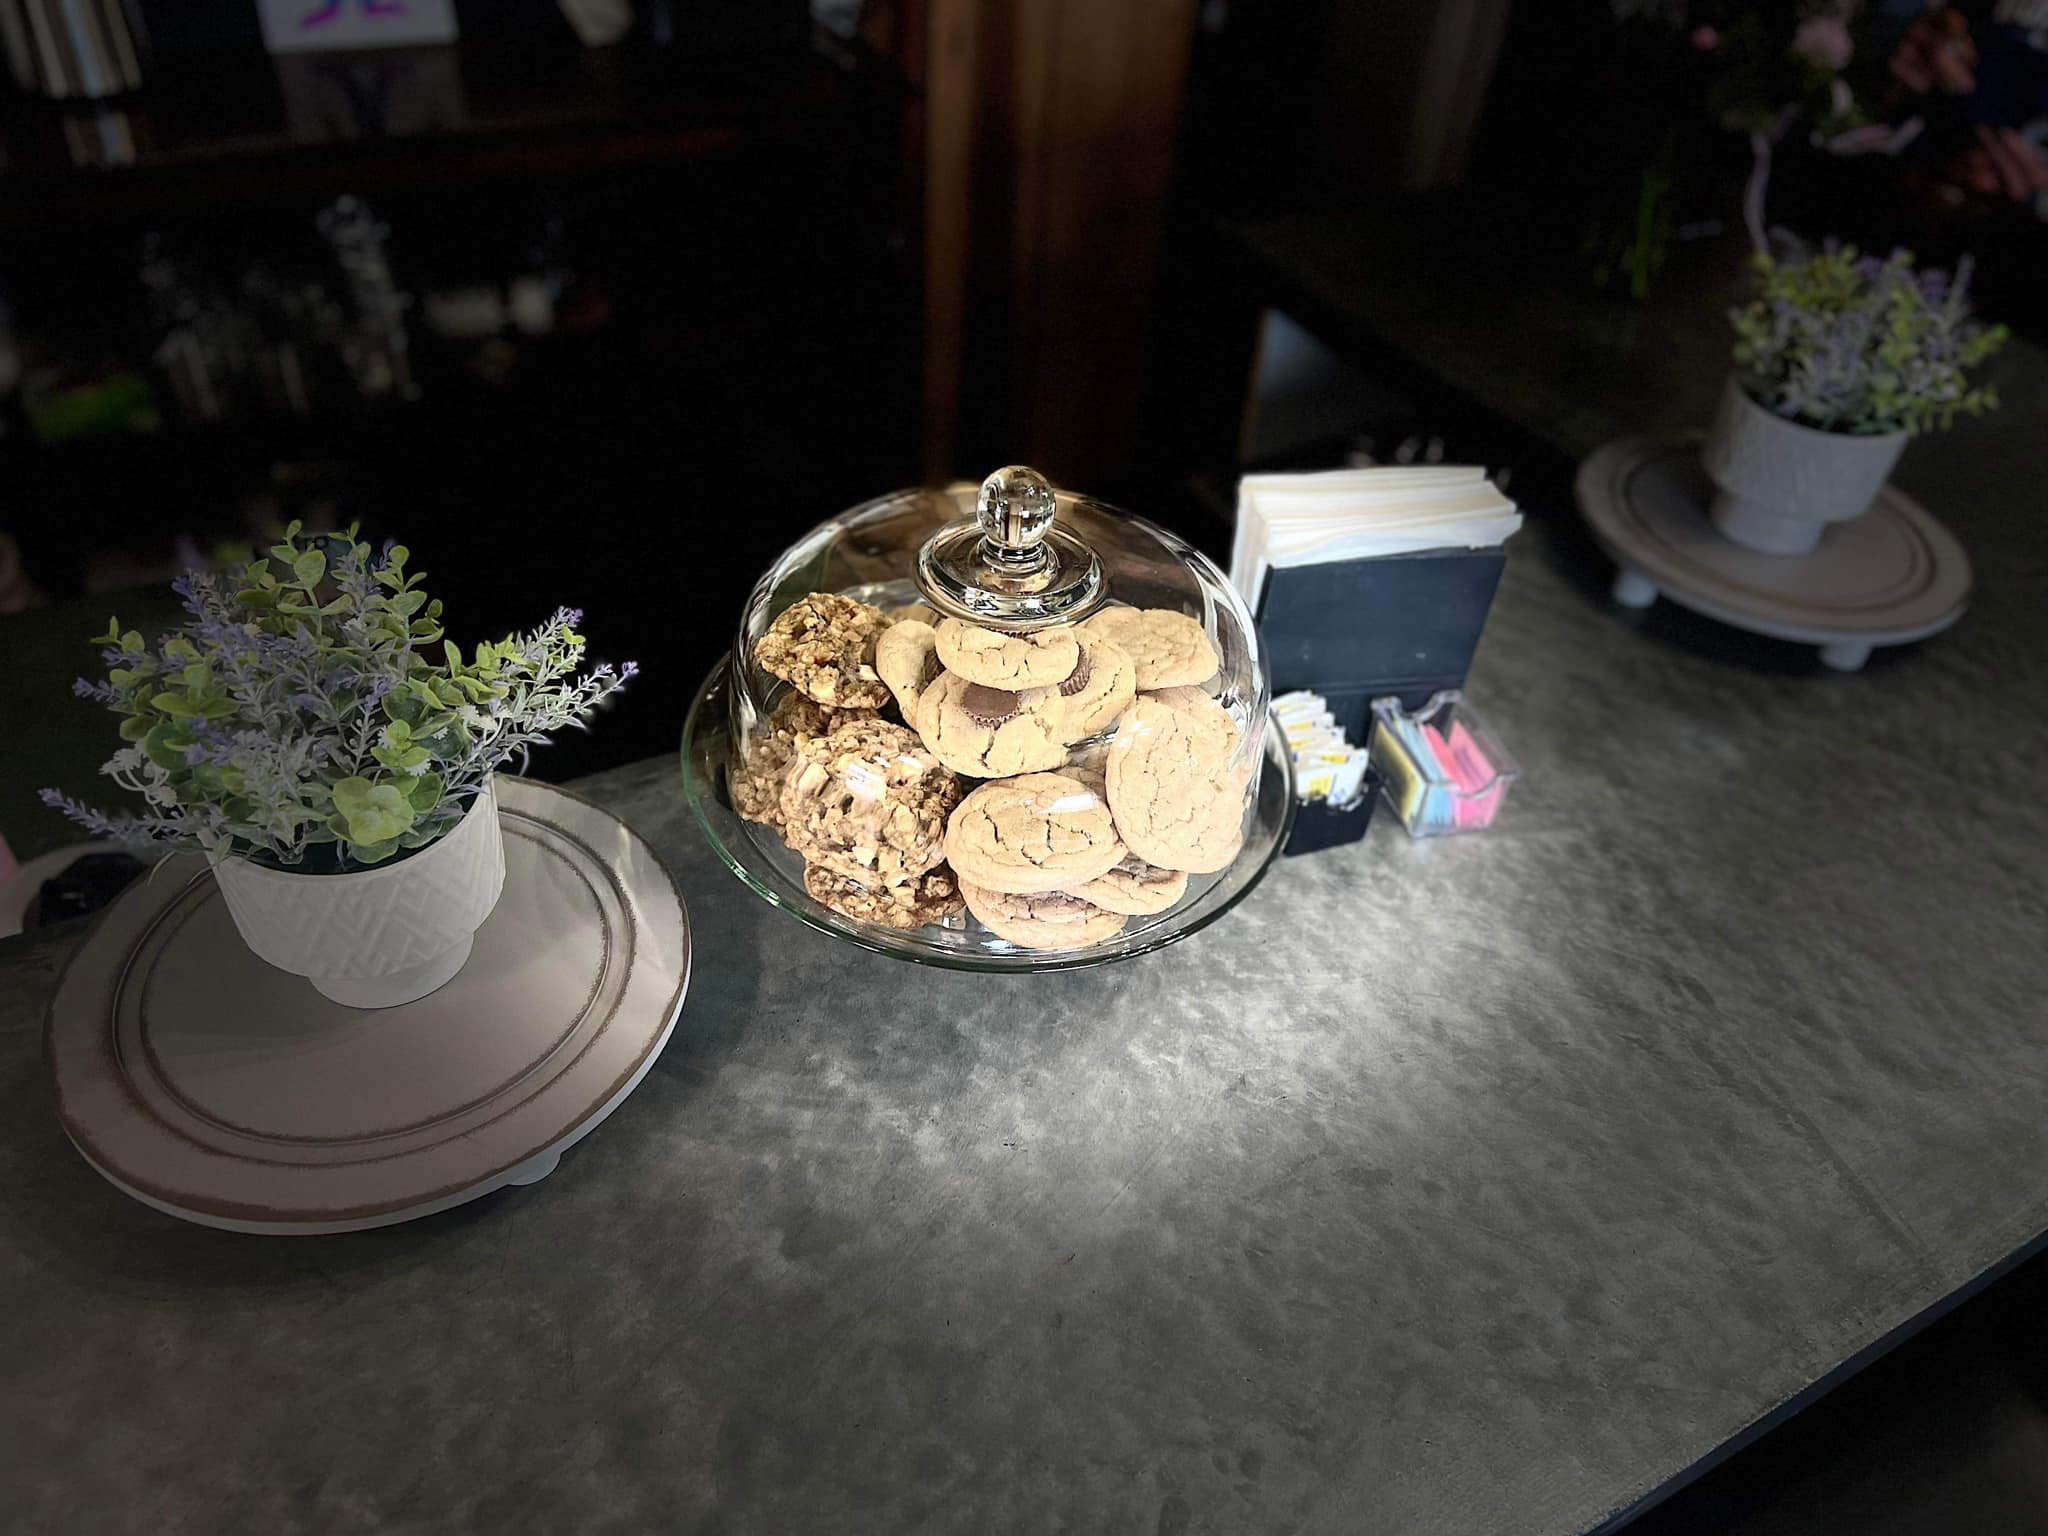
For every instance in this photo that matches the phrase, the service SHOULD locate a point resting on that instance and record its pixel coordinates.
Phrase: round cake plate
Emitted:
(775, 872)
(216, 1088)
(1891, 576)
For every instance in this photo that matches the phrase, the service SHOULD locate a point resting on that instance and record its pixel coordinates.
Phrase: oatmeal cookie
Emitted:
(929, 898)
(757, 775)
(868, 801)
(824, 645)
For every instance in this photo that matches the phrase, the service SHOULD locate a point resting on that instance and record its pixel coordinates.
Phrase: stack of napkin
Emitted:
(1359, 514)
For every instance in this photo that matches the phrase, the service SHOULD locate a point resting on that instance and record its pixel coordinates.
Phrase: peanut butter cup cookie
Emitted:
(930, 898)
(1049, 920)
(998, 659)
(1134, 888)
(868, 801)
(1167, 648)
(1099, 689)
(763, 767)
(824, 645)
(1177, 798)
(907, 656)
(990, 733)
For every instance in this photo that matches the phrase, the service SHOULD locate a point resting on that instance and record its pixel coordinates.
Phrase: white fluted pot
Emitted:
(1779, 484)
(381, 936)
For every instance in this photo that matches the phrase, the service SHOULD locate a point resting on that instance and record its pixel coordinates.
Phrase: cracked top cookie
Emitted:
(1177, 797)
(930, 898)
(1037, 832)
(1049, 920)
(824, 645)
(1099, 689)
(1167, 648)
(990, 733)
(907, 656)
(997, 659)
(868, 801)
(1135, 888)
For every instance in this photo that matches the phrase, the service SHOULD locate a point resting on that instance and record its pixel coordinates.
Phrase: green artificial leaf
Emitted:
(372, 853)
(112, 636)
(131, 642)
(174, 703)
(424, 792)
(454, 654)
(256, 598)
(165, 745)
(398, 733)
(178, 648)
(374, 813)
(405, 759)
(406, 604)
(309, 568)
(135, 727)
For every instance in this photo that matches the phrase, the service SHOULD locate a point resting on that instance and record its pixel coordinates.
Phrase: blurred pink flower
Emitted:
(1824, 42)
(1706, 39)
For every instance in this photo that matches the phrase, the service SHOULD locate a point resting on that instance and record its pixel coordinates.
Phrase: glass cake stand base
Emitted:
(776, 873)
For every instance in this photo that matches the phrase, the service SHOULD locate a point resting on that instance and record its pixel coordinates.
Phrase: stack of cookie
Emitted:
(857, 795)
(1110, 773)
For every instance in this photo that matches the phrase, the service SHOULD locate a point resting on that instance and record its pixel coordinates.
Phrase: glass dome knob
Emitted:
(1015, 511)
(1011, 566)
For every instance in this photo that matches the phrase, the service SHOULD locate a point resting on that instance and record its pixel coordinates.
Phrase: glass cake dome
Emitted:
(995, 728)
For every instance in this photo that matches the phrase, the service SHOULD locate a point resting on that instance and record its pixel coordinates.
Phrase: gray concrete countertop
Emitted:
(1481, 1185)
(1474, 1185)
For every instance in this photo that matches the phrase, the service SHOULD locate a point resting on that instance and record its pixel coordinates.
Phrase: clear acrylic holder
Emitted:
(1442, 771)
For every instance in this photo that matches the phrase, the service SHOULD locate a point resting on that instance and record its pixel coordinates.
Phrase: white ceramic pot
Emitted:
(380, 936)
(1780, 484)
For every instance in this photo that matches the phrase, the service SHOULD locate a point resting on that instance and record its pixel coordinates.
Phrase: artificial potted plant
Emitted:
(311, 731)
(1839, 359)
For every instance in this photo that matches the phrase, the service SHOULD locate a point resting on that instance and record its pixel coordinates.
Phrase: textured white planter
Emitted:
(1781, 483)
(382, 936)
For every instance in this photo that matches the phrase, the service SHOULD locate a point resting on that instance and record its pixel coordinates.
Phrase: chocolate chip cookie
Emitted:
(1167, 648)
(990, 733)
(1048, 920)
(998, 659)
(824, 645)
(1177, 797)
(1037, 832)
(930, 898)
(907, 656)
(869, 802)
(1099, 689)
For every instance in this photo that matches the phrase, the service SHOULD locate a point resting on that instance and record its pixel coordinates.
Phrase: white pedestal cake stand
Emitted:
(1891, 576)
(214, 1087)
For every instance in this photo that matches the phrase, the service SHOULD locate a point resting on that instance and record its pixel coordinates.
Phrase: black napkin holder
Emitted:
(1357, 630)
